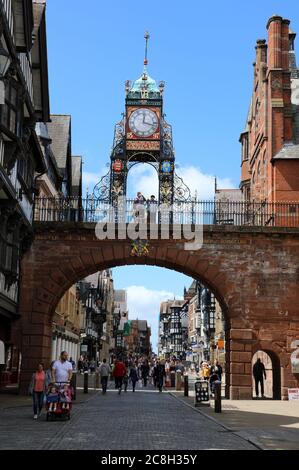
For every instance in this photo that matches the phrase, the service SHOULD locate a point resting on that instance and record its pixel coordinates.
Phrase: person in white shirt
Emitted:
(62, 369)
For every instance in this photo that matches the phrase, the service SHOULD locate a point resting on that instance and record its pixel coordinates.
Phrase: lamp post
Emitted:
(5, 62)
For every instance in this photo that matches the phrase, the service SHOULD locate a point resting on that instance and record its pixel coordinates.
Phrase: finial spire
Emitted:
(146, 37)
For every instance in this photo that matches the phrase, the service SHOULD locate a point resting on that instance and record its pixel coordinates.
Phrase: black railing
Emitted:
(239, 213)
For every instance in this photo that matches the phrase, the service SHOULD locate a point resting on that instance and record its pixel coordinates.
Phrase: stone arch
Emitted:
(273, 375)
(257, 305)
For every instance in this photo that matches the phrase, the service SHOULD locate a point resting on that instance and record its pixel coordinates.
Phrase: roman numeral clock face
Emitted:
(143, 122)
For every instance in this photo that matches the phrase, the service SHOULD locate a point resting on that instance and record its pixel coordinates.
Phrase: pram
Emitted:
(59, 401)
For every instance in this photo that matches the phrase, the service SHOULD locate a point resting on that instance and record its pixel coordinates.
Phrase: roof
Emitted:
(76, 170)
(226, 195)
(60, 131)
(177, 303)
(248, 118)
(145, 80)
(288, 151)
(38, 11)
(142, 325)
(120, 295)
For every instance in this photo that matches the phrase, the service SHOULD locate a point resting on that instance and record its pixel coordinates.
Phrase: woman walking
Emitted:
(38, 386)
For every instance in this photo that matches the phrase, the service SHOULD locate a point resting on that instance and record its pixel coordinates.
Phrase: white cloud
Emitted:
(203, 183)
(144, 304)
(143, 177)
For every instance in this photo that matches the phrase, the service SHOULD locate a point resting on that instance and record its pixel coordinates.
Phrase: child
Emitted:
(52, 398)
(65, 397)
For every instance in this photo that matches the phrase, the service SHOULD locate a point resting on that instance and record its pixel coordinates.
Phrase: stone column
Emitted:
(59, 345)
(240, 364)
(54, 349)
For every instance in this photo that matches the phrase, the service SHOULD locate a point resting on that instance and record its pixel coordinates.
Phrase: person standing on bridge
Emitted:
(259, 373)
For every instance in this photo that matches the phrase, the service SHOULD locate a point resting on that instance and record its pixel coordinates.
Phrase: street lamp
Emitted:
(5, 62)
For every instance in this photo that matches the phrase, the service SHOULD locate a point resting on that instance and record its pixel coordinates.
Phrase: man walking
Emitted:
(104, 371)
(119, 372)
(159, 374)
(62, 370)
(259, 373)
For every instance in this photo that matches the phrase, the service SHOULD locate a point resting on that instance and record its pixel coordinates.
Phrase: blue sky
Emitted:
(203, 50)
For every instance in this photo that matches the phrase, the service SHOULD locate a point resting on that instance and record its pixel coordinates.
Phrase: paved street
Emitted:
(145, 420)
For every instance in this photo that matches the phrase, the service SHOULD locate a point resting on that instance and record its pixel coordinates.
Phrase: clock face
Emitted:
(143, 122)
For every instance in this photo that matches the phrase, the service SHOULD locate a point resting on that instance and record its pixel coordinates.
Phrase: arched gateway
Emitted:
(253, 271)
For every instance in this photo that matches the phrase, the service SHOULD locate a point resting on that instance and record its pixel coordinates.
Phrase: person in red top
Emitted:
(119, 372)
(38, 386)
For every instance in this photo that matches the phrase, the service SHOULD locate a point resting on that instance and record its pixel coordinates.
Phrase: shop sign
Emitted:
(293, 393)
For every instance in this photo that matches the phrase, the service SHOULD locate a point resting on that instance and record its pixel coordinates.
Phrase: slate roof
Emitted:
(288, 151)
(120, 295)
(76, 170)
(142, 325)
(59, 131)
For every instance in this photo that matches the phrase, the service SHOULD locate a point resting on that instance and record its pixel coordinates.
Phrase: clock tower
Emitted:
(143, 136)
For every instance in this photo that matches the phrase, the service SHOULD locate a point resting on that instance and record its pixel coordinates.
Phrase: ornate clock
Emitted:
(143, 122)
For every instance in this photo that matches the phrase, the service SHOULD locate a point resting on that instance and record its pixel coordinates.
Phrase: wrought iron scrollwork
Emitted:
(181, 190)
(102, 190)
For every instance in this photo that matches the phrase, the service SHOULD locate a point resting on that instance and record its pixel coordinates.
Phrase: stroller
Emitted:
(59, 401)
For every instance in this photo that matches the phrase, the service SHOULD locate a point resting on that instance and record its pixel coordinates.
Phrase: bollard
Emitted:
(172, 379)
(86, 381)
(178, 380)
(217, 392)
(74, 385)
(186, 386)
(97, 380)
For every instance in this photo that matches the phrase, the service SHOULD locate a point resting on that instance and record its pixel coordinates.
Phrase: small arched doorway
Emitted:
(272, 383)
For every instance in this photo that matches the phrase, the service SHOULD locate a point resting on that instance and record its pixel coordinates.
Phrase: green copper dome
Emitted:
(145, 81)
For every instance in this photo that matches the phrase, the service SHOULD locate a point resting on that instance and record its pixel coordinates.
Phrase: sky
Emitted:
(204, 52)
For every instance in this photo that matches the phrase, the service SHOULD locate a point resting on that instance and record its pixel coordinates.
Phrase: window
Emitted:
(9, 111)
(25, 170)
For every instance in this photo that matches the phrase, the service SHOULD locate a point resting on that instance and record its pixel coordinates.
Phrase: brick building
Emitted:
(138, 341)
(270, 140)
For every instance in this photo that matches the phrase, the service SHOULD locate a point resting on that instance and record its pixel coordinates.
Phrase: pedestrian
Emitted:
(92, 366)
(144, 369)
(37, 388)
(62, 369)
(152, 206)
(126, 376)
(80, 365)
(73, 363)
(159, 374)
(217, 368)
(133, 375)
(259, 373)
(104, 371)
(139, 209)
(119, 372)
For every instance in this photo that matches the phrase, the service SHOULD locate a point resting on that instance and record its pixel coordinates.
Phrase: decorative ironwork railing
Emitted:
(241, 213)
